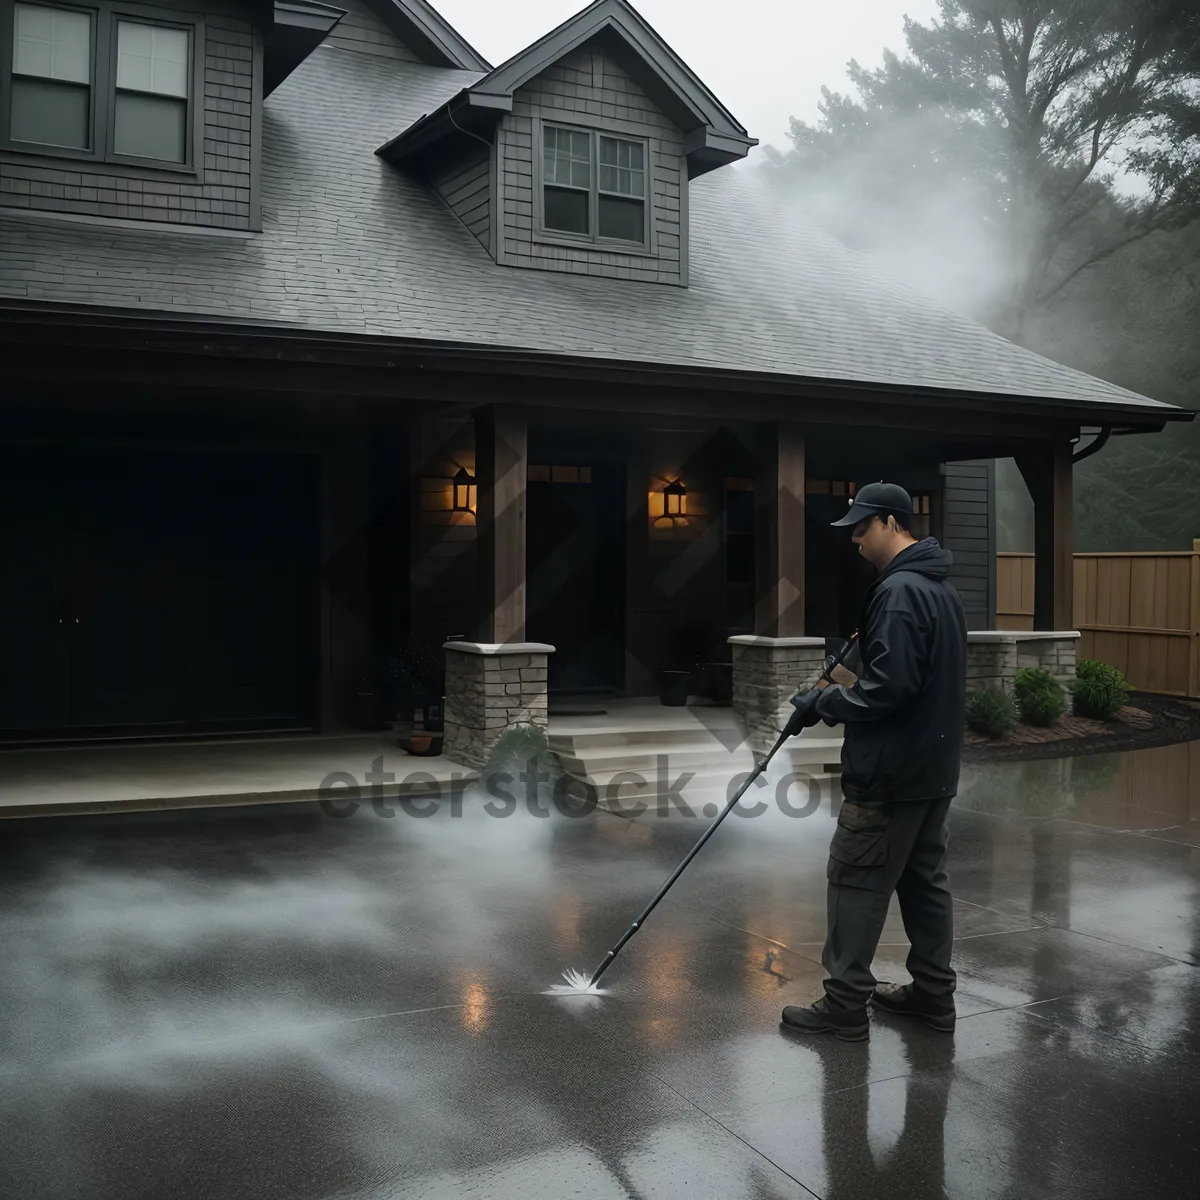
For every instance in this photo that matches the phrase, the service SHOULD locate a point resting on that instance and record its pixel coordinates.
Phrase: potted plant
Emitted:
(416, 678)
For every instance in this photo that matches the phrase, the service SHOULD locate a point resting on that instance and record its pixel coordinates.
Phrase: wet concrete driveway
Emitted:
(280, 1004)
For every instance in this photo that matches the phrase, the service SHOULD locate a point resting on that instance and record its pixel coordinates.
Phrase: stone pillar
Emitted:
(1053, 651)
(994, 657)
(490, 687)
(767, 673)
(991, 661)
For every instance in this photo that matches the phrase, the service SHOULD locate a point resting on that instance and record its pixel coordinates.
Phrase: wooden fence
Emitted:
(1140, 612)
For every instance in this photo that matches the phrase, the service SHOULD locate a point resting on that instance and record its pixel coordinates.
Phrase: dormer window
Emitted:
(593, 186)
(52, 76)
(114, 83)
(150, 113)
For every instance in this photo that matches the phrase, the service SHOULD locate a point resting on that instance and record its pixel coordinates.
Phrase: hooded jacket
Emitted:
(904, 717)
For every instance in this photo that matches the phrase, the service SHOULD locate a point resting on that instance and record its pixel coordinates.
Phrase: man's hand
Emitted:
(805, 714)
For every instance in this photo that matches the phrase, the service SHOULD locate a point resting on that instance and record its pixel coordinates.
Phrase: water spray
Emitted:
(575, 979)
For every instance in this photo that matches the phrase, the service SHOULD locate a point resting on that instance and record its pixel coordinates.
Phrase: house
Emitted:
(323, 337)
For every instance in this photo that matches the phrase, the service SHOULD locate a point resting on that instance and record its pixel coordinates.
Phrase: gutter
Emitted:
(262, 340)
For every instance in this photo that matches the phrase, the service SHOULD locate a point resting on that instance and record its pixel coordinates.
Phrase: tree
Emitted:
(1011, 120)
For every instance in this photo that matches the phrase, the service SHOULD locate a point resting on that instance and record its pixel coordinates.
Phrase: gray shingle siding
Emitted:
(466, 186)
(589, 88)
(360, 29)
(218, 196)
(970, 534)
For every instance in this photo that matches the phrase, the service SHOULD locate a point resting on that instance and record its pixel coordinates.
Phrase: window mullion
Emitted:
(103, 98)
(594, 189)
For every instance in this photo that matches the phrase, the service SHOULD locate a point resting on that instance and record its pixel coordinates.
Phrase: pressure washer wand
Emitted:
(830, 663)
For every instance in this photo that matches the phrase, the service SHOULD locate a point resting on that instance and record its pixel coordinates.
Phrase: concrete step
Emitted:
(646, 740)
(619, 759)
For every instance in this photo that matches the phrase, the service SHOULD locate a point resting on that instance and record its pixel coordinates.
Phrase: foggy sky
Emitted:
(765, 60)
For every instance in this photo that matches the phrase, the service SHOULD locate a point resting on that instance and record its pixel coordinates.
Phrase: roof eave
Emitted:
(465, 114)
(706, 150)
(298, 27)
(1147, 417)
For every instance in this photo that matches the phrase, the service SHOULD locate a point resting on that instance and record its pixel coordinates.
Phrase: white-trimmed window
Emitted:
(593, 185)
(114, 82)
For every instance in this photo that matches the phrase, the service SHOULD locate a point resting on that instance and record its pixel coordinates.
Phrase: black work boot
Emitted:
(850, 1025)
(908, 1000)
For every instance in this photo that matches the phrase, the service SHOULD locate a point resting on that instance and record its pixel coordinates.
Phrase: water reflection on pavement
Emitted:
(280, 1004)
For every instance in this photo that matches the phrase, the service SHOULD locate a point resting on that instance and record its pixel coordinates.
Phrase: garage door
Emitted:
(163, 592)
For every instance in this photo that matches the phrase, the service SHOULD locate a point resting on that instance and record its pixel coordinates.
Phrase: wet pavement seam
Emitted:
(1187, 962)
(737, 1136)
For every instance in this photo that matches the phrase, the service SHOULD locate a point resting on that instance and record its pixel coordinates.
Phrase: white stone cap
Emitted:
(754, 639)
(1009, 636)
(499, 647)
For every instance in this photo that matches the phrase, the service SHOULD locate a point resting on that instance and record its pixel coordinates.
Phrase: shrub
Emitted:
(1099, 690)
(991, 713)
(523, 748)
(1040, 698)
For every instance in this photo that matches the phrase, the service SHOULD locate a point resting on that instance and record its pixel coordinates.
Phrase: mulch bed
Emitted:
(1147, 721)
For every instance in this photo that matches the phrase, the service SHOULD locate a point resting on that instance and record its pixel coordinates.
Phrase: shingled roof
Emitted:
(351, 244)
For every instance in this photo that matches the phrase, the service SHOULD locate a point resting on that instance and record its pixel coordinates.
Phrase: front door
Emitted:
(575, 588)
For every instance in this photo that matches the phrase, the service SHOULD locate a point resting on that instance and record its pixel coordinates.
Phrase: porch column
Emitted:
(501, 467)
(498, 681)
(1047, 472)
(777, 660)
(779, 532)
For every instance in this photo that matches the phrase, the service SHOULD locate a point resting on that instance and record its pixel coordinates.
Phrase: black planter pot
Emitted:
(673, 688)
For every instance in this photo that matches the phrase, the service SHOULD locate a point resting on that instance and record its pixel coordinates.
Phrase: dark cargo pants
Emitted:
(878, 849)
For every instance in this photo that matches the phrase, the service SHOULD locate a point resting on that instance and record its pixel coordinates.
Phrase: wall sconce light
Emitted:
(675, 499)
(464, 481)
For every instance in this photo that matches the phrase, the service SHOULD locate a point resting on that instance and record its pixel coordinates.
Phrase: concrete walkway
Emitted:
(209, 773)
(272, 1003)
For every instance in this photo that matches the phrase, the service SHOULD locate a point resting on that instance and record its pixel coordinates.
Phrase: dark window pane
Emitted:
(622, 219)
(151, 127)
(739, 559)
(739, 512)
(566, 210)
(50, 113)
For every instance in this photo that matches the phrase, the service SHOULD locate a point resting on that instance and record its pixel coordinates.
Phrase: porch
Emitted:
(632, 555)
(628, 750)
(290, 550)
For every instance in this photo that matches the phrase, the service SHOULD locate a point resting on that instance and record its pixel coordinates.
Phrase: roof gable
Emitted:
(712, 136)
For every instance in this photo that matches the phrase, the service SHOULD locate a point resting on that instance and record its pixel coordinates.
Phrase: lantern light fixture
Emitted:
(675, 499)
(463, 482)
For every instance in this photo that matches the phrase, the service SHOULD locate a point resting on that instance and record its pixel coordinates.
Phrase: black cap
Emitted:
(877, 499)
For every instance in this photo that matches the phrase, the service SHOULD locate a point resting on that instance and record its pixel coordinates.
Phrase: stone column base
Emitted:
(490, 688)
(767, 673)
(995, 656)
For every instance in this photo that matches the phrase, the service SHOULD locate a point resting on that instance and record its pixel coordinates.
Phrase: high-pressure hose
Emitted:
(831, 663)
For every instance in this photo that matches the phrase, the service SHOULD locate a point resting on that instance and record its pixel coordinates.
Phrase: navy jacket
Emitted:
(904, 717)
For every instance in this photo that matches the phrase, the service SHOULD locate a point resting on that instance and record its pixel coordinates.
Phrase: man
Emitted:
(904, 717)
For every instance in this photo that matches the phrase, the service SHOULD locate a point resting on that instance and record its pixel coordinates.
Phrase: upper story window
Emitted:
(51, 76)
(151, 101)
(593, 186)
(108, 83)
